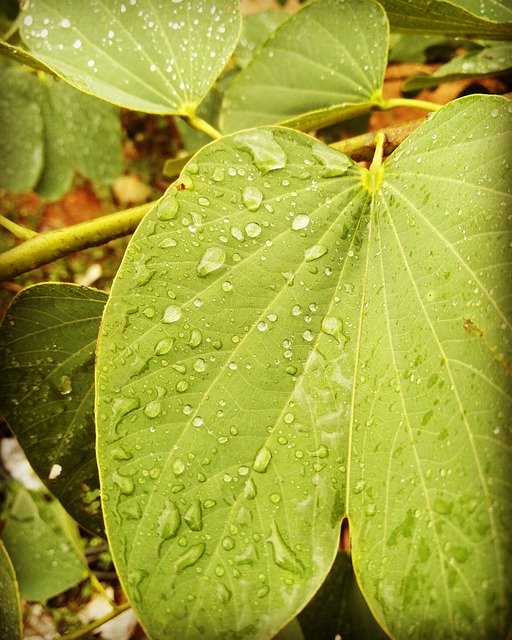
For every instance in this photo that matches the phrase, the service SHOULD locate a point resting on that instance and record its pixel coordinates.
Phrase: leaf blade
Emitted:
(284, 81)
(161, 73)
(47, 341)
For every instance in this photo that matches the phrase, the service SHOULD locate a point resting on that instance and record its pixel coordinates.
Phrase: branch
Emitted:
(52, 245)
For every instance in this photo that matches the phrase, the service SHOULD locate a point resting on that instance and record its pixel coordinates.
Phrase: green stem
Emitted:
(380, 138)
(392, 103)
(203, 126)
(22, 233)
(52, 245)
(83, 631)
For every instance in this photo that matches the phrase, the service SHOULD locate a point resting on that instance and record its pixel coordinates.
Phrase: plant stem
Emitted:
(22, 233)
(80, 633)
(202, 125)
(392, 103)
(52, 245)
(380, 138)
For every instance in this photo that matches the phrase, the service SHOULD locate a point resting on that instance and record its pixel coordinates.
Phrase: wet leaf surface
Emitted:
(169, 72)
(327, 59)
(47, 344)
(10, 606)
(328, 342)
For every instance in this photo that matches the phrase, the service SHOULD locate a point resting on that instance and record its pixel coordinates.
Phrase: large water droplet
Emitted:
(252, 229)
(213, 259)
(189, 557)
(300, 221)
(122, 406)
(314, 252)
(332, 326)
(152, 409)
(124, 484)
(65, 385)
(262, 460)
(171, 314)
(252, 197)
(167, 208)
(164, 346)
(335, 163)
(267, 154)
(169, 520)
(283, 555)
(249, 489)
(193, 516)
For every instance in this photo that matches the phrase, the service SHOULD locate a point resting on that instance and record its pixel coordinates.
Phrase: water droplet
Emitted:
(178, 467)
(189, 557)
(332, 326)
(171, 314)
(164, 346)
(267, 154)
(275, 498)
(199, 365)
(123, 406)
(249, 489)
(300, 221)
(169, 520)
(335, 163)
(152, 410)
(134, 580)
(120, 454)
(262, 591)
(228, 543)
(283, 555)
(262, 460)
(167, 208)
(218, 174)
(314, 252)
(193, 516)
(124, 484)
(252, 197)
(196, 337)
(212, 260)
(252, 229)
(65, 385)
(223, 592)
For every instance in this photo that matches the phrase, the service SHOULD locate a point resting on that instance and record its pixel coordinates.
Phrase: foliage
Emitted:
(294, 339)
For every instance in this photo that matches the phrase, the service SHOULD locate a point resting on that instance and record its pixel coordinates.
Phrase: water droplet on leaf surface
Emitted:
(283, 555)
(252, 197)
(171, 314)
(189, 557)
(262, 460)
(314, 252)
(268, 155)
(212, 260)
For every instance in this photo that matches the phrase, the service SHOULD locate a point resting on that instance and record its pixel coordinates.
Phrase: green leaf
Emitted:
(41, 541)
(47, 343)
(81, 133)
(206, 472)
(290, 339)
(494, 60)
(21, 162)
(256, 28)
(416, 48)
(10, 605)
(428, 498)
(339, 609)
(324, 64)
(462, 18)
(152, 55)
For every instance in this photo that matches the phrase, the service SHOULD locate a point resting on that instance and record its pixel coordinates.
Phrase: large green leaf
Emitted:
(493, 60)
(10, 606)
(286, 343)
(324, 64)
(48, 130)
(81, 133)
(464, 18)
(47, 343)
(43, 545)
(21, 131)
(150, 55)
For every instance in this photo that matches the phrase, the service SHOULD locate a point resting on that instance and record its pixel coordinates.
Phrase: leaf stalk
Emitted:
(52, 245)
